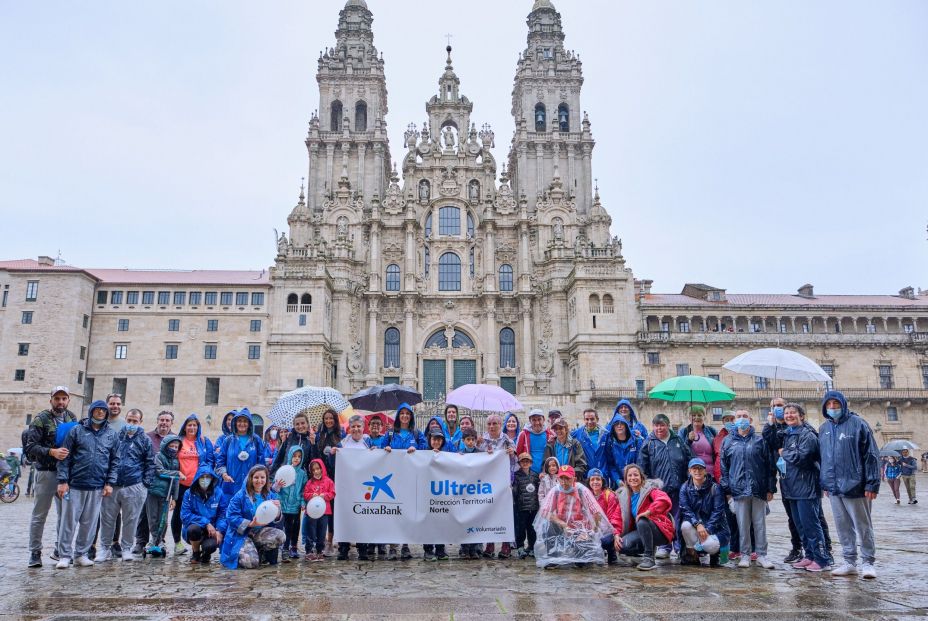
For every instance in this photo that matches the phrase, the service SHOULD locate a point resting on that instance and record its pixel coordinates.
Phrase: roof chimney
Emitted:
(43, 260)
(907, 293)
(806, 291)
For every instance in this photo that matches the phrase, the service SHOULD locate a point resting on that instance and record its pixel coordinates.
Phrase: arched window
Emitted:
(306, 299)
(360, 117)
(460, 339)
(505, 277)
(540, 117)
(335, 118)
(293, 299)
(607, 304)
(427, 258)
(594, 304)
(438, 339)
(391, 348)
(393, 277)
(449, 221)
(449, 272)
(470, 226)
(563, 118)
(428, 225)
(507, 348)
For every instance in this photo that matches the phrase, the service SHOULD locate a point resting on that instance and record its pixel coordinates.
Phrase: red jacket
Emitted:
(655, 501)
(320, 487)
(523, 444)
(717, 451)
(609, 503)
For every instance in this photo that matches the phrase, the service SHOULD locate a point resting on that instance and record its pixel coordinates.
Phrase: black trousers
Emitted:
(175, 517)
(292, 530)
(198, 534)
(643, 540)
(524, 528)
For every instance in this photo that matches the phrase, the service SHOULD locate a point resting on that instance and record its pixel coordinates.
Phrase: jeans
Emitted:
(752, 513)
(129, 501)
(78, 524)
(46, 490)
(894, 487)
(314, 533)
(852, 519)
(525, 529)
(641, 541)
(809, 523)
(156, 510)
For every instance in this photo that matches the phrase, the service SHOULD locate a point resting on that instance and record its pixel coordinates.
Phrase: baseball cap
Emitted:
(58, 389)
(524, 456)
(567, 471)
(696, 461)
(536, 412)
(558, 422)
(554, 414)
(594, 472)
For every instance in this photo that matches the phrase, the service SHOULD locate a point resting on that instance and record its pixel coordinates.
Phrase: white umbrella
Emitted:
(310, 400)
(778, 364)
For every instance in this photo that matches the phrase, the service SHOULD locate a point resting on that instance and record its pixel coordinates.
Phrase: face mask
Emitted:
(833, 413)
(131, 429)
(205, 482)
(273, 434)
(730, 427)
(742, 423)
(172, 452)
(567, 488)
(95, 422)
(778, 412)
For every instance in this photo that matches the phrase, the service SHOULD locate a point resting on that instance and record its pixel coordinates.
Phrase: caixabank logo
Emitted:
(377, 490)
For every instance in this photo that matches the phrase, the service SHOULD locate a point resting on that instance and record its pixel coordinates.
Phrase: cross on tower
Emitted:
(449, 37)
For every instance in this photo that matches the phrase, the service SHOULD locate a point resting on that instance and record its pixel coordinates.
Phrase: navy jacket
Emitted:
(204, 507)
(850, 457)
(617, 454)
(93, 460)
(667, 462)
(136, 460)
(705, 505)
(800, 452)
(747, 467)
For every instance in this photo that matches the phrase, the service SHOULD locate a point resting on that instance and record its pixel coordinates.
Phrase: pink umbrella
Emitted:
(482, 397)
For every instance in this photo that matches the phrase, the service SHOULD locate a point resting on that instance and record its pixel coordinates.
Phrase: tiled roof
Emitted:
(150, 277)
(779, 300)
(181, 277)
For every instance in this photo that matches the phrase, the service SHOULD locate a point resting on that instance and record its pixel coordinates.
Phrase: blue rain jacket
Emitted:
(230, 459)
(850, 458)
(705, 505)
(801, 456)
(748, 470)
(239, 514)
(617, 454)
(202, 511)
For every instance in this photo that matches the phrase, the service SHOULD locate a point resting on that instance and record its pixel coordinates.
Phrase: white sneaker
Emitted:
(846, 569)
(867, 571)
(745, 561)
(106, 554)
(763, 562)
(127, 555)
(179, 548)
(662, 553)
(63, 563)
(83, 561)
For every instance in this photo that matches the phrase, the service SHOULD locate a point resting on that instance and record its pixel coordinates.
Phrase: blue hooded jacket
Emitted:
(705, 505)
(636, 425)
(592, 445)
(206, 453)
(801, 457)
(617, 454)
(230, 462)
(136, 459)
(93, 461)
(291, 497)
(748, 469)
(850, 458)
(239, 514)
(665, 461)
(408, 438)
(441, 423)
(509, 415)
(204, 507)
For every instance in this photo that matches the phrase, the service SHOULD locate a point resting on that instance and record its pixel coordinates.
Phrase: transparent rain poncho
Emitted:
(580, 541)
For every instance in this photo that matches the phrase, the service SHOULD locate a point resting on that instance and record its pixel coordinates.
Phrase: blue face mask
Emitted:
(778, 412)
(131, 429)
(742, 423)
(834, 414)
(730, 427)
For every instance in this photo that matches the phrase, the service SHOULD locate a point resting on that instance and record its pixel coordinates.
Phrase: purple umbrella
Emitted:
(484, 398)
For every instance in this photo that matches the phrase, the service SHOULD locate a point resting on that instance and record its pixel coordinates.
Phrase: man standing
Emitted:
(566, 449)
(85, 477)
(136, 470)
(534, 438)
(161, 431)
(44, 451)
(851, 477)
(909, 468)
(666, 457)
(590, 437)
(114, 403)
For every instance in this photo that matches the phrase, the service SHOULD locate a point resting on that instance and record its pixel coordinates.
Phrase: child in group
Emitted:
(436, 424)
(525, 485)
(435, 552)
(376, 438)
(547, 480)
(291, 504)
(466, 422)
(609, 503)
(355, 440)
(467, 446)
(314, 529)
(163, 493)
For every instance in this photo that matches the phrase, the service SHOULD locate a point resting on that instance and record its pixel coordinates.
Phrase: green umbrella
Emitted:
(693, 389)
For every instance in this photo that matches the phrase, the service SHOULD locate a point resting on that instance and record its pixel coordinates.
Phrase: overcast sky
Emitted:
(750, 145)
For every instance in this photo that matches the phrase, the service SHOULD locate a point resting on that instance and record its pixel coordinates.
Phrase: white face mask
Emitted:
(273, 434)
(204, 482)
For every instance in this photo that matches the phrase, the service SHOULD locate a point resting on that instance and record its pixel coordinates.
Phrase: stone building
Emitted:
(441, 267)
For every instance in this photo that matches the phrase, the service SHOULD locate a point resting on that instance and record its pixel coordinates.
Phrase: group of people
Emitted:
(901, 470)
(619, 494)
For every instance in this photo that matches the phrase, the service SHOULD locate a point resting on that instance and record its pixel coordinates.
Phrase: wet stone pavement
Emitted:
(456, 589)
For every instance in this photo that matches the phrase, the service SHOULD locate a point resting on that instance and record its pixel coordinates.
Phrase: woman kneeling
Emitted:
(646, 519)
(247, 542)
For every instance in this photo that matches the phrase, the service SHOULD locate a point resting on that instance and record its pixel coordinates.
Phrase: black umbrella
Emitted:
(384, 397)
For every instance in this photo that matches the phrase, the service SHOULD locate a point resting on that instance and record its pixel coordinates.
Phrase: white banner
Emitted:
(423, 497)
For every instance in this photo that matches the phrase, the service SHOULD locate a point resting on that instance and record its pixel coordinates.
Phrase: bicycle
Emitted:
(9, 491)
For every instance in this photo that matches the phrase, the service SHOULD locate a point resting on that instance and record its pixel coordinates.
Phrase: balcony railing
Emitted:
(780, 338)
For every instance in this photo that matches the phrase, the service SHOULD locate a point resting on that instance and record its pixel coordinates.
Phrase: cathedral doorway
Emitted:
(449, 359)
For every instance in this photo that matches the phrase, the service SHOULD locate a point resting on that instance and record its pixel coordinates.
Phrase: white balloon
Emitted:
(286, 475)
(315, 508)
(266, 512)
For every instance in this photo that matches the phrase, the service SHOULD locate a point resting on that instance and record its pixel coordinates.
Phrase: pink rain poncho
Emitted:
(570, 527)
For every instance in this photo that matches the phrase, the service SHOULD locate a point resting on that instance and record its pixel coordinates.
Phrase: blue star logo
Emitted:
(377, 485)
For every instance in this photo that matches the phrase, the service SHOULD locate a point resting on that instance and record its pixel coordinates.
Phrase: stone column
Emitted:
(372, 341)
(491, 374)
(539, 166)
(409, 260)
(329, 167)
(528, 375)
(362, 150)
(571, 169)
(376, 269)
(410, 368)
(489, 254)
